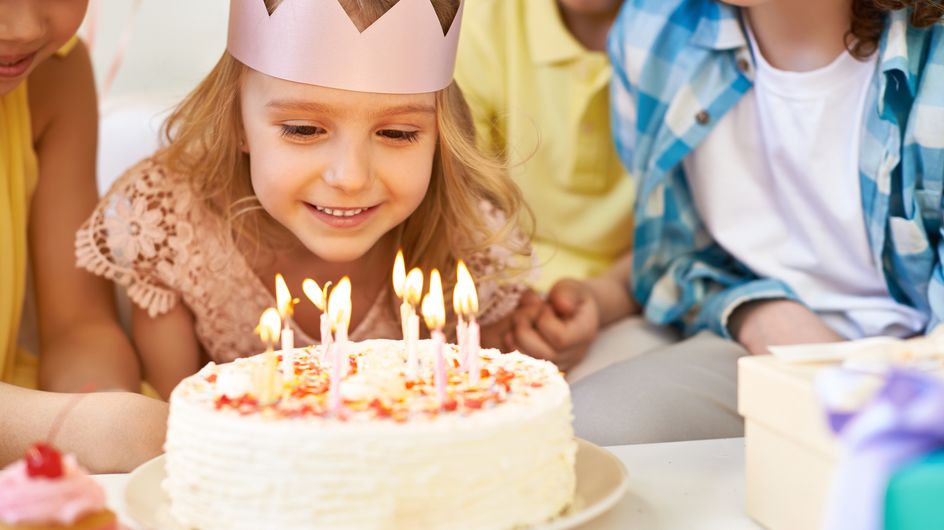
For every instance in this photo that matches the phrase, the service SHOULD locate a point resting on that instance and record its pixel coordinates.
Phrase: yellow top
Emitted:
(539, 97)
(18, 176)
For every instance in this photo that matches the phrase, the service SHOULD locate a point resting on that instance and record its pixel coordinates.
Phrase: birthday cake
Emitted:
(495, 449)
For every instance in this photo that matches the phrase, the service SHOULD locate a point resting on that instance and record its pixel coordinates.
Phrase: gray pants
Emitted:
(685, 391)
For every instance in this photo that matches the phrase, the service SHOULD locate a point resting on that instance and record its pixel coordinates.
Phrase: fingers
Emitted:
(563, 334)
(565, 296)
(526, 339)
(530, 298)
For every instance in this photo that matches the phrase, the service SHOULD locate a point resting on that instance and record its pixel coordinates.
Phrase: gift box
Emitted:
(888, 405)
(790, 452)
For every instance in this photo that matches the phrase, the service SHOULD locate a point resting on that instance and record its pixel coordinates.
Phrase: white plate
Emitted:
(601, 482)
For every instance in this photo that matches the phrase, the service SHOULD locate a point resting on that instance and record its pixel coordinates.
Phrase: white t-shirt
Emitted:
(777, 185)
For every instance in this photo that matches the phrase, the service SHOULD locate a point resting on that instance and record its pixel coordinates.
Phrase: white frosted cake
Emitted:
(498, 454)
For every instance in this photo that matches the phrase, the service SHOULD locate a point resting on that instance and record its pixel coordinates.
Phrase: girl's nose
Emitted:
(21, 23)
(349, 169)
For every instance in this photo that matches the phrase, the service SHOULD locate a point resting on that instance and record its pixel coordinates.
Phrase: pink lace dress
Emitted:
(152, 236)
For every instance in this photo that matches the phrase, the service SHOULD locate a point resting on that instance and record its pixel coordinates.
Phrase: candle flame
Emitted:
(317, 295)
(399, 274)
(339, 305)
(270, 323)
(283, 297)
(413, 288)
(434, 308)
(465, 300)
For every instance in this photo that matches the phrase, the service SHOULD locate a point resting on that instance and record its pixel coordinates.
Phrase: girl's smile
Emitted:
(342, 217)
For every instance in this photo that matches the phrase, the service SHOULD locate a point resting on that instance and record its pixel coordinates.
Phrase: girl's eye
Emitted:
(301, 131)
(398, 135)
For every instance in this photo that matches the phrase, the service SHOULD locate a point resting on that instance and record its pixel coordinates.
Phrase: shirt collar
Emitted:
(893, 52)
(719, 26)
(548, 38)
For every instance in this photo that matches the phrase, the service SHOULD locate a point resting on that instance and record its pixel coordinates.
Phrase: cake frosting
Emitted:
(63, 500)
(496, 454)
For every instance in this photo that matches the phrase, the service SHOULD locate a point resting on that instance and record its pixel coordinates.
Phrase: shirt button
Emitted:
(744, 65)
(703, 117)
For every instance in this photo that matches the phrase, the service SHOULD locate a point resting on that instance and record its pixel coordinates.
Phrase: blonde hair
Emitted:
(203, 142)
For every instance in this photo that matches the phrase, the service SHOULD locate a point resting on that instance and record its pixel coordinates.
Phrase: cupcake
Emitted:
(48, 491)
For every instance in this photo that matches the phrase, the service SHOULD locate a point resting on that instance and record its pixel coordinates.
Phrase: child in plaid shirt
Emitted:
(790, 161)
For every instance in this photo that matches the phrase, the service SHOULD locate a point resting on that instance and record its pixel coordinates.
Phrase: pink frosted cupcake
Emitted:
(46, 491)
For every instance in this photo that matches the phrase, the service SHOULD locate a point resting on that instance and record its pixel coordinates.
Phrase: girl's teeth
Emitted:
(340, 213)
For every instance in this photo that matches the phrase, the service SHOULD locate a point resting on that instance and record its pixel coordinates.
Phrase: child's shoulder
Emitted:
(142, 234)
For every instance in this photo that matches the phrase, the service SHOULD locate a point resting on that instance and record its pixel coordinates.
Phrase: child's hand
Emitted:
(559, 329)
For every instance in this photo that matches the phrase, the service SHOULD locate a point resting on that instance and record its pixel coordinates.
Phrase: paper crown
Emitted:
(405, 51)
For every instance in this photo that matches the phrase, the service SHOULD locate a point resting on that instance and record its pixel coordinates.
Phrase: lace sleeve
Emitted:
(130, 237)
(504, 272)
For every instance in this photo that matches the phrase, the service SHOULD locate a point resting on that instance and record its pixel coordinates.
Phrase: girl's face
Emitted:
(338, 169)
(30, 32)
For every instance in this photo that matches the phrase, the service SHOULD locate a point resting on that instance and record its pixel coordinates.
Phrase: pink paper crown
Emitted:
(316, 42)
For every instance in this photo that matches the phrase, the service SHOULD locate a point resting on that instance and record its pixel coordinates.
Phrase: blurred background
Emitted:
(147, 55)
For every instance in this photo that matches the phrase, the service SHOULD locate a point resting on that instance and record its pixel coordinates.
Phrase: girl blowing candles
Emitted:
(316, 168)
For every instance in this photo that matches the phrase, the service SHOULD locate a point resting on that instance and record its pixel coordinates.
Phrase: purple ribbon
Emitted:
(903, 421)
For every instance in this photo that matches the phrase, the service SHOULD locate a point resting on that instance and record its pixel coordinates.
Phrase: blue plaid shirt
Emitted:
(679, 66)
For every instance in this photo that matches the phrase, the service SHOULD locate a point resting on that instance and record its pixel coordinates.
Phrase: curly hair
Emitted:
(868, 21)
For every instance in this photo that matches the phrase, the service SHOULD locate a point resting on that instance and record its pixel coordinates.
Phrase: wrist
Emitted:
(747, 317)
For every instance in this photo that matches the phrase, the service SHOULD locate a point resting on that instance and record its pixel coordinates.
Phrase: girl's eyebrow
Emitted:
(410, 108)
(320, 108)
(299, 105)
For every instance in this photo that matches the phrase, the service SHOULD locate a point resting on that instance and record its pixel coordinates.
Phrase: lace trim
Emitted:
(154, 299)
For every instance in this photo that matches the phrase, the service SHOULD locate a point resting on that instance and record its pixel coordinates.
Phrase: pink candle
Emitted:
(439, 341)
(473, 360)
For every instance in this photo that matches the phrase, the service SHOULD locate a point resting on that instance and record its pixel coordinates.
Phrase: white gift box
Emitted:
(790, 452)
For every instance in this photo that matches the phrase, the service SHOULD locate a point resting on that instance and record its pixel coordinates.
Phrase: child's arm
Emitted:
(109, 432)
(167, 345)
(763, 323)
(82, 343)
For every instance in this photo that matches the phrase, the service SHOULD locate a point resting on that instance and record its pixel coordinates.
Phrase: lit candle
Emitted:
(319, 297)
(266, 378)
(286, 305)
(339, 316)
(412, 294)
(465, 301)
(434, 312)
(399, 285)
(461, 327)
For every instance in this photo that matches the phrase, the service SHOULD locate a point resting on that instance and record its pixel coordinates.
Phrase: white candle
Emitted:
(462, 331)
(334, 394)
(405, 311)
(325, 333)
(412, 345)
(288, 353)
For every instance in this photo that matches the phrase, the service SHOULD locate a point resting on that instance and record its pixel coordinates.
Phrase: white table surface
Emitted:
(674, 486)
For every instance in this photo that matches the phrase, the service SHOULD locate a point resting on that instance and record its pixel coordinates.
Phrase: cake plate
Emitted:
(601, 482)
